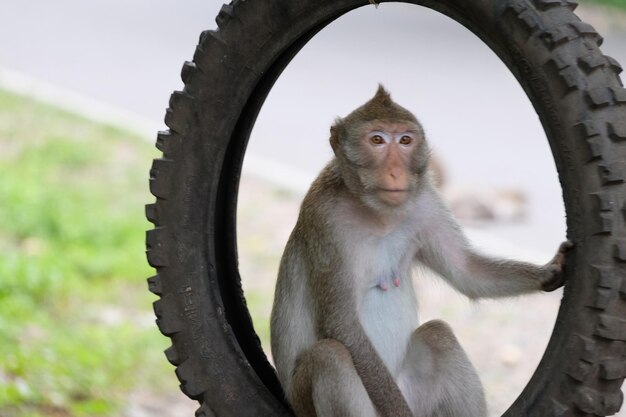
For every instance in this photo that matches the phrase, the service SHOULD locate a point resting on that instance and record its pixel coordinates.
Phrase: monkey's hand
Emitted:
(554, 277)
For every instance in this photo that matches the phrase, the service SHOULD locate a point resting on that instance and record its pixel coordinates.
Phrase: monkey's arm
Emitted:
(338, 319)
(447, 251)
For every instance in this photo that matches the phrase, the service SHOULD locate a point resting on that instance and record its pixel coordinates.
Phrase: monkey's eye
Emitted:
(377, 140)
(406, 140)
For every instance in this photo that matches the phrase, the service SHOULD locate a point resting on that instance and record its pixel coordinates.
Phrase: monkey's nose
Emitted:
(397, 175)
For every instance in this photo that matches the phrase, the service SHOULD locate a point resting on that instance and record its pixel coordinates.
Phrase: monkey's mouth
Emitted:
(393, 196)
(393, 190)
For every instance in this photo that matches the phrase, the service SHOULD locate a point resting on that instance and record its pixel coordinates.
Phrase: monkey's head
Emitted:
(380, 151)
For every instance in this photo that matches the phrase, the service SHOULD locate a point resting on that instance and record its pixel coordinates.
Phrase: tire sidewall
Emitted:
(219, 359)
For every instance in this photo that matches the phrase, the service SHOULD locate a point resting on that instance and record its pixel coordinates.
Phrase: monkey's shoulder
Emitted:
(327, 184)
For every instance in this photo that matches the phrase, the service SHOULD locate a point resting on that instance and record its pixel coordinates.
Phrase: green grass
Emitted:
(76, 327)
(621, 4)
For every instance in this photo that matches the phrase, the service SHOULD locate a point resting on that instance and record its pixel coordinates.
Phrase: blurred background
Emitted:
(83, 91)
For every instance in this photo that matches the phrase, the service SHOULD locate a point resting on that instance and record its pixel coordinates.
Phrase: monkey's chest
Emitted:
(389, 317)
(388, 307)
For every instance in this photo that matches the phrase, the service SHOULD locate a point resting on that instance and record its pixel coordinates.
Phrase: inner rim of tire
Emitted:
(226, 255)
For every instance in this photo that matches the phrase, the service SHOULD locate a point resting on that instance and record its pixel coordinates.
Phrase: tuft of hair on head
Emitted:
(379, 107)
(382, 96)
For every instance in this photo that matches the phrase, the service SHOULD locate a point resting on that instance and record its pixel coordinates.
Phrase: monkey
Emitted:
(345, 335)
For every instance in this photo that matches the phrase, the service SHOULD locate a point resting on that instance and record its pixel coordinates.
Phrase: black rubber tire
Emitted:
(575, 90)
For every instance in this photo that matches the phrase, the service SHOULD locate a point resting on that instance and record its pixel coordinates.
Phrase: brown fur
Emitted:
(337, 309)
(381, 193)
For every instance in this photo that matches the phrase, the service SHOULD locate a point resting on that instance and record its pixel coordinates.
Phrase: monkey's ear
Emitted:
(333, 141)
(334, 137)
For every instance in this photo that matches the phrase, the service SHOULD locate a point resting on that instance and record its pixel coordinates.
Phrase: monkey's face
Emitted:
(389, 158)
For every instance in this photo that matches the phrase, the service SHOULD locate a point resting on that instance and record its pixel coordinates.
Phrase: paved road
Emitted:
(129, 54)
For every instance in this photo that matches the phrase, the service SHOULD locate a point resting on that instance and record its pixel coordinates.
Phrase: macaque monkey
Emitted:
(345, 334)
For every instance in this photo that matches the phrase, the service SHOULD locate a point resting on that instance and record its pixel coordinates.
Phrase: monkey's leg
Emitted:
(325, 384)
(438, 378)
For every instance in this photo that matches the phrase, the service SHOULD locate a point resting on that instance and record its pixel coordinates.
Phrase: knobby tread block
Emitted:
(180, 100)
(613, 369)
(160, 178)
(588, 128)
(586, 30)
(174, 123)
(606, 96)
(161, 141)
(172, 355)
(558, 36)
(604, 200)
(192, 381)
(559, 60)
(596, 402)
(213, 56)
(570, 78)
(151, 213)
(619, 250)
(210, 41)
(178, 115)
(600, 97)
(226, 13)
(585, 348)
(603, 223)
(619, 94)
(594, 144)
(157, 255)
(606, 277)
(579, 370)
(604, 296)
(155, 285)
(168, 142)
(612, 172)
(188, 71)
(617, 130)
(530, 20)
(611, 327)
(591, 62)
(615, 66)
(520, 9)
(169, 323)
